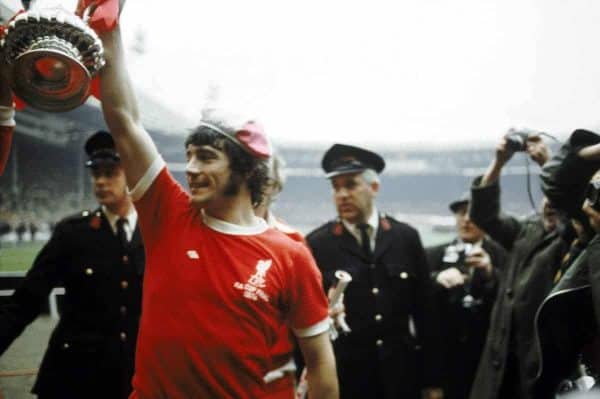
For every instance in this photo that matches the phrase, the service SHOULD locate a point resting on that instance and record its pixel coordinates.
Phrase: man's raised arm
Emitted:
(119, 104)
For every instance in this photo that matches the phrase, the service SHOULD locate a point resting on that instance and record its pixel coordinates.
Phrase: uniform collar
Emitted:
(112, 218)
(373, 222)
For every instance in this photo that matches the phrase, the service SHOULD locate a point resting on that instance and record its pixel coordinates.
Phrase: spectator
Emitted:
(509, 360)
(465, 273)
(21, 229)
(567, 322)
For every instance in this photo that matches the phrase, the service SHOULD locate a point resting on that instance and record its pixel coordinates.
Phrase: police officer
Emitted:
(98, 257)
(465, 274)
(388, 303)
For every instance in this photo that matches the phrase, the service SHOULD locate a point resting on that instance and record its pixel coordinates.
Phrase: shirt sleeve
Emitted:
(158, 199)
(308, 310)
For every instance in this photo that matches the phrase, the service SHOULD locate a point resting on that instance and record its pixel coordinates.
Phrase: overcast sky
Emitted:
(419, 71)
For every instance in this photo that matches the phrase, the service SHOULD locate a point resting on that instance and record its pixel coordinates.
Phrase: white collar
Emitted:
(259, 226)
(462, 244)
(113, 217)
(373, 222)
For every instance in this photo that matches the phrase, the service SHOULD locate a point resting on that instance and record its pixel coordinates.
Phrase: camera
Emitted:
(516, 140)
(592, 194)
(456, 255)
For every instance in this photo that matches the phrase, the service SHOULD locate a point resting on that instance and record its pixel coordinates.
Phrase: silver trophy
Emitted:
(53, 56)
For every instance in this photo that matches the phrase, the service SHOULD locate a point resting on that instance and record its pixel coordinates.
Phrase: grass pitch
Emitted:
(18, 257)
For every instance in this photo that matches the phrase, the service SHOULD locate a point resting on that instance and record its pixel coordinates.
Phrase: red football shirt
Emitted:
(215, 298)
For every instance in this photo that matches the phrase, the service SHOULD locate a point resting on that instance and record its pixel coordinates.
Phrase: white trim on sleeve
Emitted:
(313, 330)
(144, 183)
(7, 116)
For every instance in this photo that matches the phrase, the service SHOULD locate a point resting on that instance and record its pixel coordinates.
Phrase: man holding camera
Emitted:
(567, 322)
(465, 274)
(509, 360)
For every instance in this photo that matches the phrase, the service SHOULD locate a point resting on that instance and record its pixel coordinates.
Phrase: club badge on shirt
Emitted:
(253, 288)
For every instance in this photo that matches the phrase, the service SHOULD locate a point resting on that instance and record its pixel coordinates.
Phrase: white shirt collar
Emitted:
(473, 245)
(373, 222)
(129, 226)
(259, 226)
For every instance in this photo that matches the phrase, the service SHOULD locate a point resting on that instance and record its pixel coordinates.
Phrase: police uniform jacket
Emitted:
(388, 307)
(465, 328)
(509, 361)
(91, 351)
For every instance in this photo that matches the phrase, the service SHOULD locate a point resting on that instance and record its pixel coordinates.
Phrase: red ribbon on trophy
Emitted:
(104, 14)
(54, 55)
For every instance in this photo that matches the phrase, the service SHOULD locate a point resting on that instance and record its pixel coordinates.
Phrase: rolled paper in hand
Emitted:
(343, 279)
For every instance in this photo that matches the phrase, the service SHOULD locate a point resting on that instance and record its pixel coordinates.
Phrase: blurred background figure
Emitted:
(535, 249)
(567, 323)
(273, 188)
(465, 274)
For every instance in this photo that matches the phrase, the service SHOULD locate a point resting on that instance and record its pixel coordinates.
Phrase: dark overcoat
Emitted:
(91, 351)
(465, 327)
(509, 361)
(389, 308)
(567, 324)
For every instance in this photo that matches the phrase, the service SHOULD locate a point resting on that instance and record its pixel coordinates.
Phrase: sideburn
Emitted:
(233, 185)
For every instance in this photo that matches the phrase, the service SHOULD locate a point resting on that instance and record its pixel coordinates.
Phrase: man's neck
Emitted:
(121, 209)
(237, 210)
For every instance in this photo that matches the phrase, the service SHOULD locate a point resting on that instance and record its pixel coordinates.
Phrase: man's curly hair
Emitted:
(244, 167)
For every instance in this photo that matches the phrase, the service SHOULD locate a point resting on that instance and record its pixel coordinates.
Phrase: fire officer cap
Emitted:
(342, 158)
(100, 148)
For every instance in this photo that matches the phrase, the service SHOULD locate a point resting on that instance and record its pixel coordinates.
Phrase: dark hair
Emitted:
(244, 167)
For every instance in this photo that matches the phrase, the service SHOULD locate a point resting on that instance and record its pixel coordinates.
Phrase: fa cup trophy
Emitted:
(52, 55)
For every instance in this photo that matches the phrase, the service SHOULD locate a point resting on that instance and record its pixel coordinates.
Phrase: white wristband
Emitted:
(7, 116)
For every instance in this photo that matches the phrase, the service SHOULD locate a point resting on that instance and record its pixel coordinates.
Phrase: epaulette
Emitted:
(93, 218)
(324, 228)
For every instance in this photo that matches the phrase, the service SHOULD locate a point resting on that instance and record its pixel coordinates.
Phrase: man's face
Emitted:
(550, 216)
(353, 197)
(592, 214)
(466, 229)
(208, 175)
(110, 185)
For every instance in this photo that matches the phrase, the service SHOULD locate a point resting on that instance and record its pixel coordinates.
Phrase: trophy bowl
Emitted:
(53, 56)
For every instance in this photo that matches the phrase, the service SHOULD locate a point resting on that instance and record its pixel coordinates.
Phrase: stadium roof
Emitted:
(61, 129)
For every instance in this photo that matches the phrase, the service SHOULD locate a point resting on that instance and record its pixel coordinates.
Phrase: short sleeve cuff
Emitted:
(146, 181)
(313, 330)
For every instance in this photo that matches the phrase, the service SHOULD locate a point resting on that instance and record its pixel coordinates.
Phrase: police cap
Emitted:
(100, 148)
(341, 159)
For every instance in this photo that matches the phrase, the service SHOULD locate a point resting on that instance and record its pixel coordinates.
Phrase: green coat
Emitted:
(533, 259)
